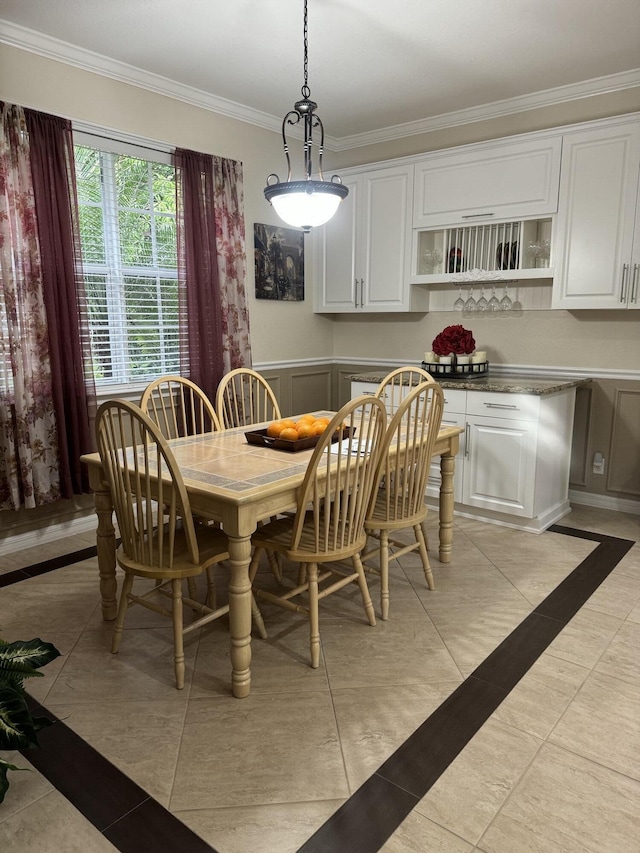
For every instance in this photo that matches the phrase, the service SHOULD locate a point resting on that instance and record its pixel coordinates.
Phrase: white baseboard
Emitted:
(604, 502)
(49, 533)
(528, 525)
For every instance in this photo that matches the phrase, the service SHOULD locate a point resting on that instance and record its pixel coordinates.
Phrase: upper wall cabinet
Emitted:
(497, 181)
(363, 254)
(598, 222)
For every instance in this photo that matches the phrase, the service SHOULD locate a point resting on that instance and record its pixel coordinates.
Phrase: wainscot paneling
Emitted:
(624, 452)
(580, 441)
(311, 390)
(300, 389)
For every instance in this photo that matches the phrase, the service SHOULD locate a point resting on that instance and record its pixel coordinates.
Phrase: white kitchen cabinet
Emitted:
(496, 464)
(499, 465)
(363, 254)
(513, 463)
(598, 223)
(496, 181)
(368, 388)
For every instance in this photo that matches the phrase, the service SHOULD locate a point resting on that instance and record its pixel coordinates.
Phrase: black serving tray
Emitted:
(456, 371)
(259, 436)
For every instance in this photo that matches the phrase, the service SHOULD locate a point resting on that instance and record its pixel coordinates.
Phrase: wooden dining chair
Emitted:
(403, 470)
(179, 407)
(328, 526)
(244, 397)
(396, 384)
(163, 545)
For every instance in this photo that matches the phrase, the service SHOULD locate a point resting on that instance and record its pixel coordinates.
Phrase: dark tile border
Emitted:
(136, 823)
(119, 808)
(47, 566)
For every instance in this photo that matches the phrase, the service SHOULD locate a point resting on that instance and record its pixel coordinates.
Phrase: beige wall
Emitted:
(577, 339)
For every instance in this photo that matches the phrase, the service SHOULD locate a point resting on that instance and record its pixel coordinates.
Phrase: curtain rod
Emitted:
(128, 138)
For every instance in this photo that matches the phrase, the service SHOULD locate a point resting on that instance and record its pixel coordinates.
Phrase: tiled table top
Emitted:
(228, 462)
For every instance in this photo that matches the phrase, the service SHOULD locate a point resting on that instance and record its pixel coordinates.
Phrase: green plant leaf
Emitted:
(40, 723)
(17, 730)
(31, 653)
(4, 782)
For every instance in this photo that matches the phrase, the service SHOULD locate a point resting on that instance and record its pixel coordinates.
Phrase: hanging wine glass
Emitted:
(516, 306)
(470, 304)
(505, 302)
(458, 305)
(494, 302)
(482, 304)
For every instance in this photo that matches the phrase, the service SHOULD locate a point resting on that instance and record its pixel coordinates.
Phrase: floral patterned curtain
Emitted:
(232, 262)
(211, 267)
(28, 431)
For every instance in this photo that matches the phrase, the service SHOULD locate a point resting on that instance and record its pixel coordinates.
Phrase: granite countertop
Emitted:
(509, 383)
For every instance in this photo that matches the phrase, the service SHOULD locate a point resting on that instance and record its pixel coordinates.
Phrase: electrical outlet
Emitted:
(598, 463)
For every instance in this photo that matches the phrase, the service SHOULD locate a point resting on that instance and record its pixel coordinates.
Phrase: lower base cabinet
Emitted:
(515, 452)
(499, 467)
(513, 464)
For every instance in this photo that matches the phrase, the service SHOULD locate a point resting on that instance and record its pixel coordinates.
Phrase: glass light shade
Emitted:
(305, 204)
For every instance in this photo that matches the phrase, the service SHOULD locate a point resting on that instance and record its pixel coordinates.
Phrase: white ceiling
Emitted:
(373, 64)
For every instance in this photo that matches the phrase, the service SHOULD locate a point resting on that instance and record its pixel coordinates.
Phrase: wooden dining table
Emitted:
(238, 484)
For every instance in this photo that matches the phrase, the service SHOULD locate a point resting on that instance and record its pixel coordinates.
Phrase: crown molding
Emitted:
(62, 51)
(87, 60)
(496, 109)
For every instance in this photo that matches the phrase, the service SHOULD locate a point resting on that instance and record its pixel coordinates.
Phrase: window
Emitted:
(128, 234)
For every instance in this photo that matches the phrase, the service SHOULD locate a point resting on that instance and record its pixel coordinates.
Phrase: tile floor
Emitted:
(554, 766)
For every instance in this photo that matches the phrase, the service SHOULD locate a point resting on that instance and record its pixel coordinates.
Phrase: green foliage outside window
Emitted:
(129, 245)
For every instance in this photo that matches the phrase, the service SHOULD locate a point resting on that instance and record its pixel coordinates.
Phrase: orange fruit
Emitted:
(306, 419)
(305, 429)
(318, 427)
(274, 429)
(289, 434)
(287, 422)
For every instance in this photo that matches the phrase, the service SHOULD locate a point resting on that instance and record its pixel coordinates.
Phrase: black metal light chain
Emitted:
(306, 91)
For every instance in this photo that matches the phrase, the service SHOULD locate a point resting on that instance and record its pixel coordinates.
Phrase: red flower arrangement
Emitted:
(454, 339)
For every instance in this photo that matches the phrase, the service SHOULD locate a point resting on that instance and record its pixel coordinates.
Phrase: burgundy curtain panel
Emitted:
(51, 152)
(201, 334)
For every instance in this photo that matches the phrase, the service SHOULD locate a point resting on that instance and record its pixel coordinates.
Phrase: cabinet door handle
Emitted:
(355, 291)
(625, 279)
(476, 215)
(362, 293)
(634, 283)
(501, 406)
(467, 440)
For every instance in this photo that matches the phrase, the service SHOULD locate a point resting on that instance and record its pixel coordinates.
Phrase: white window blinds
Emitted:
(128, 234)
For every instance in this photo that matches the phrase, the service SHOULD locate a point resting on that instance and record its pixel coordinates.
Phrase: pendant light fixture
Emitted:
(308, 203)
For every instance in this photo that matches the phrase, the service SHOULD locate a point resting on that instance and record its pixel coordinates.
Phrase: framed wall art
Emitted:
(279, 263)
